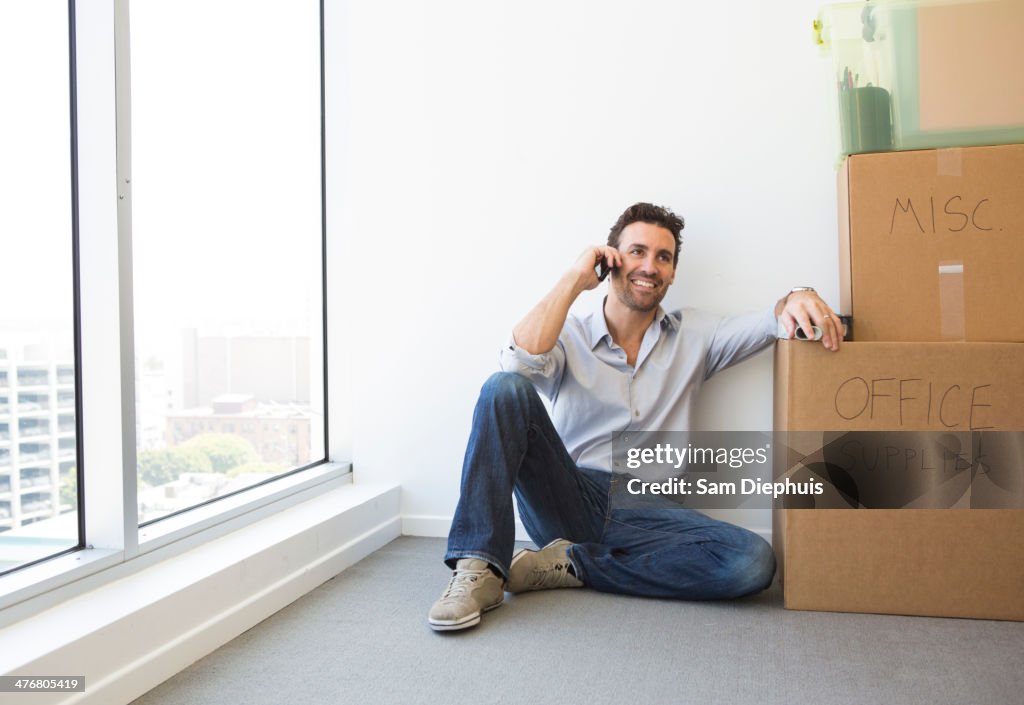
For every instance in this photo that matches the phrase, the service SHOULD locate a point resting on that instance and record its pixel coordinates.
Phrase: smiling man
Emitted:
(628, 367)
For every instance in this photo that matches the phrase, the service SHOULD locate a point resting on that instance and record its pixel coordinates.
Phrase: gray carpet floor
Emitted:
(362, 638)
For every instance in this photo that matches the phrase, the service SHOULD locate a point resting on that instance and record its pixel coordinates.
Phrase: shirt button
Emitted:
(636, 412)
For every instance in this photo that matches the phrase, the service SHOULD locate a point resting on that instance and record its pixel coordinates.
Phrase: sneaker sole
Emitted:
(465, 623)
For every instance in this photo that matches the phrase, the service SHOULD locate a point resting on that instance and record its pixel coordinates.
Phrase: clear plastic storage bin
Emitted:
(921, 74)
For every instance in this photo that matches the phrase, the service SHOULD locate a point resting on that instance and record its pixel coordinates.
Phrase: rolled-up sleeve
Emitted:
(544, 370)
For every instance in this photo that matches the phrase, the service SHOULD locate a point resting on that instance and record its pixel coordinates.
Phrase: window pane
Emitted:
(38, 460)
(227, 246)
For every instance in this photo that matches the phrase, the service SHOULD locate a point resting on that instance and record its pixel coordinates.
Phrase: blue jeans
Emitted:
(653, 548)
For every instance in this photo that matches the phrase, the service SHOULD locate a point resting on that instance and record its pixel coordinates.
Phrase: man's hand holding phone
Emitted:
(594, 264)
(538, 332)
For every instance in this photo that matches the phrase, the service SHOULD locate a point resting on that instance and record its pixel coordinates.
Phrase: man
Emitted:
(630, 367)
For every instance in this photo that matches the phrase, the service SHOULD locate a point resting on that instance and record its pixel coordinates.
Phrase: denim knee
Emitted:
(753, 568)
(502, 385)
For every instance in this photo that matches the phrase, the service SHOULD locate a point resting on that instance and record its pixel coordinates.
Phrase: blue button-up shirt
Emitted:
(596, 395)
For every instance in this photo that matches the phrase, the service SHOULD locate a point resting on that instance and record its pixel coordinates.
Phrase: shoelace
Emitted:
(551, 575)
(461, 583)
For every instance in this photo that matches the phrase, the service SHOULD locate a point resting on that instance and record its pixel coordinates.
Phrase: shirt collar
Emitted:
(599, 326)
(667, 321)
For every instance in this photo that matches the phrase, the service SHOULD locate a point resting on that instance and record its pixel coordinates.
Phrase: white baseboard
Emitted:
(438, 526)
(129, 636)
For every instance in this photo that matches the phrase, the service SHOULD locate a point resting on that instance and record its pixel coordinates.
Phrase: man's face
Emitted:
(648, 253)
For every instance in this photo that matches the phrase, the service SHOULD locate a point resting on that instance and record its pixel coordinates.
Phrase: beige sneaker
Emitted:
(472, 590)
(543, 569)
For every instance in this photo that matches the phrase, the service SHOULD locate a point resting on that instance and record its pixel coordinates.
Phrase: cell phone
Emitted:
(603, 270)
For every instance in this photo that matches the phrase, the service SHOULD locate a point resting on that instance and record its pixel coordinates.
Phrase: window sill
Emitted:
(38, 587)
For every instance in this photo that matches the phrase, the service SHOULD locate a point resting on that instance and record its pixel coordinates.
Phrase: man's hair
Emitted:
(652, 214)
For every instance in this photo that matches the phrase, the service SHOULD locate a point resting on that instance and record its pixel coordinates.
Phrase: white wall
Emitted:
(488, 142)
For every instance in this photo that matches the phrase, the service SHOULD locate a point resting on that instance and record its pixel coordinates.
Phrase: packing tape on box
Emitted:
(951, 300)
(949, 162)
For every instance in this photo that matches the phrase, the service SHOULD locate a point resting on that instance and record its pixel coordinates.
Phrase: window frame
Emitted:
(111, 541)
(80, 542)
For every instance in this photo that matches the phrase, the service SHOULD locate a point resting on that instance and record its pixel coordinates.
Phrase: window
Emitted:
(227, 239)
(214, 325)
(36, 292)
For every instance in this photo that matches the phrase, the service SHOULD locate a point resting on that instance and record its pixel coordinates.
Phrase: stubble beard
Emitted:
(623, 292)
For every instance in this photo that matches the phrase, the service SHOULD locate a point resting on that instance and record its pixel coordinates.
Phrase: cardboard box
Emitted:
(931, 244)
(899, 386)
(925, 562)
(931, 562)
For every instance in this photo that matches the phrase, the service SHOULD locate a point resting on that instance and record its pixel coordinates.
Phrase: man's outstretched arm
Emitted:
(538, 332)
